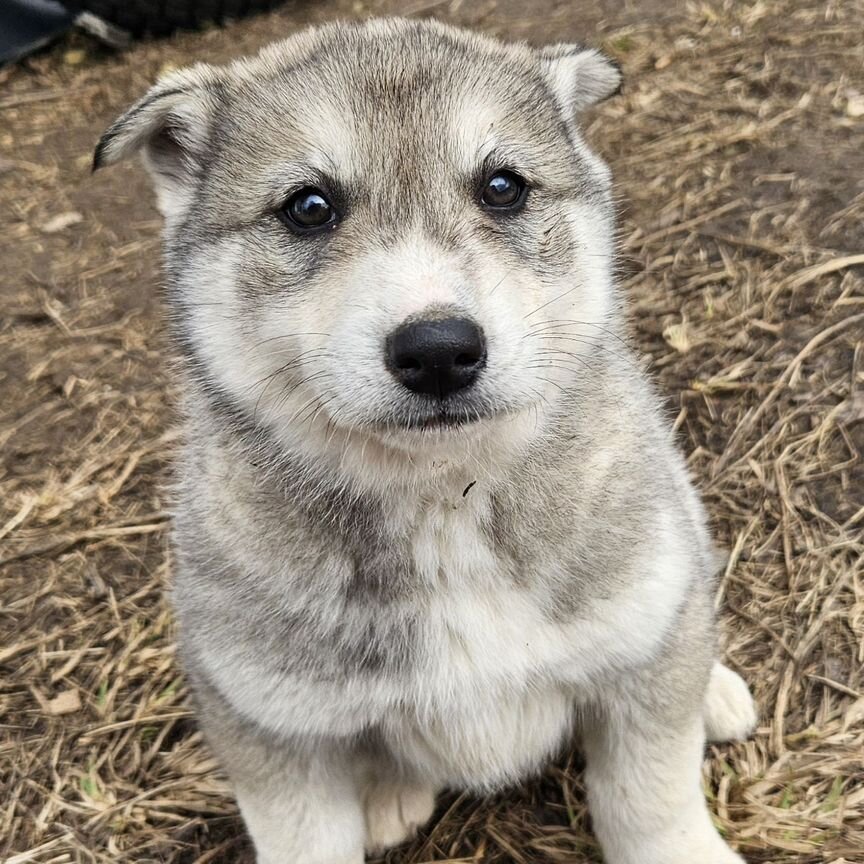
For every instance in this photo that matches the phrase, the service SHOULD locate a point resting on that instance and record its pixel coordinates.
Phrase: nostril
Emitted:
(467, 359)
(408, 364)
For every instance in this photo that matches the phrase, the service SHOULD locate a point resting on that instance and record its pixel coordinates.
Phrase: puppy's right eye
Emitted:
(504, 190)
(309, 210)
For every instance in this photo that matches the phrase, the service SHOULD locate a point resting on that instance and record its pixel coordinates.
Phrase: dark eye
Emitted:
(504, 190)
(309, 210)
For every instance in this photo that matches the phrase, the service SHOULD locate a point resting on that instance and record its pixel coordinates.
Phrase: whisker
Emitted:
(599, 327)
(625, 357)
(287, 336)
(549, 302)
(284, 397)
(500, 282)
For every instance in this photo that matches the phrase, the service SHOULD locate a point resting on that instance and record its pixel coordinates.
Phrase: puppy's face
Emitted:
(394, 226)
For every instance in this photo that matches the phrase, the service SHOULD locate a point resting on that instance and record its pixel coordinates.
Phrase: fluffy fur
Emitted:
(380, 594)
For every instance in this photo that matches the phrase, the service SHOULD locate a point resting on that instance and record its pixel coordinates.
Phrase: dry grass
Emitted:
(738, 152)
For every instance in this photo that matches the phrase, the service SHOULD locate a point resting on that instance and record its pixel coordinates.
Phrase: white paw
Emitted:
(680, 846)
(712, 850)
(394, 813)
(730, 714)
(709, 848)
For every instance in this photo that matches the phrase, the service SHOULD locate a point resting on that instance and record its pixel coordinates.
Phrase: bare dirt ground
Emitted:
(739, 158)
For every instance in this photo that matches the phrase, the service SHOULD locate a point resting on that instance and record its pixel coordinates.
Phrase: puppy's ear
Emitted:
(578, 76)
(170, 127)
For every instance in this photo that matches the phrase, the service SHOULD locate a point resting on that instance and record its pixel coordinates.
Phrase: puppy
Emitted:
(430, 521)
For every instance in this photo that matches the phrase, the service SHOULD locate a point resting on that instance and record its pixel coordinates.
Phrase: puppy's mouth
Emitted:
(448, 416)
(443, 418)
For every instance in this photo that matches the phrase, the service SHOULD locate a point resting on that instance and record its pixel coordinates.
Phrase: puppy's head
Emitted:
(395, 225)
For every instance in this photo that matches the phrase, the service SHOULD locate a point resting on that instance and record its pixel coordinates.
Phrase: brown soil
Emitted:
(739, 157)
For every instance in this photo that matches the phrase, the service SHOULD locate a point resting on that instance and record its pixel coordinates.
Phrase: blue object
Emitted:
(26, 25)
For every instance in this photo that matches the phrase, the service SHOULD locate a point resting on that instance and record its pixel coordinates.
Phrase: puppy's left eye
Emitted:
(309, 210)
(504, 190)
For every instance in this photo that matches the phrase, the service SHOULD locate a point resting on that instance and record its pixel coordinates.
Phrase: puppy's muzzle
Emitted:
(436, 357)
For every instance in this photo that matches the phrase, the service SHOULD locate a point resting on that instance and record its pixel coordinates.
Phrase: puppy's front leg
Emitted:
(303, 808)
(300, 797)
(644, 757)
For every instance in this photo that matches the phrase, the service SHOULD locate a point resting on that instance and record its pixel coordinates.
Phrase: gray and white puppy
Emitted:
(430, 520)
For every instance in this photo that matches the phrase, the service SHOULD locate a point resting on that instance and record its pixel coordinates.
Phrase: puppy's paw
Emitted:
(704, 846)
(717, 853)
(730, 713)
(713, 850)
(394, 812)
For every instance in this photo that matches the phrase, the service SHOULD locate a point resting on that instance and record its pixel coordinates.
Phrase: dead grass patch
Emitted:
(738, 153)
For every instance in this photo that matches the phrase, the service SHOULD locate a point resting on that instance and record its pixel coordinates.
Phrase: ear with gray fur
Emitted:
(578, 76)
(170, 127)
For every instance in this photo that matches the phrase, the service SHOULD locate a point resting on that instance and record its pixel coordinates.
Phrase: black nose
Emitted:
(437, 357)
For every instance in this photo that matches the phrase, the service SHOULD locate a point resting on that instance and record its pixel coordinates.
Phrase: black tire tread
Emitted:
(162, 17)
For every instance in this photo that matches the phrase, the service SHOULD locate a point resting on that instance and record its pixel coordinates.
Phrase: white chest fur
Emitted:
(494, 676)
(488, 628)
(500, 677)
